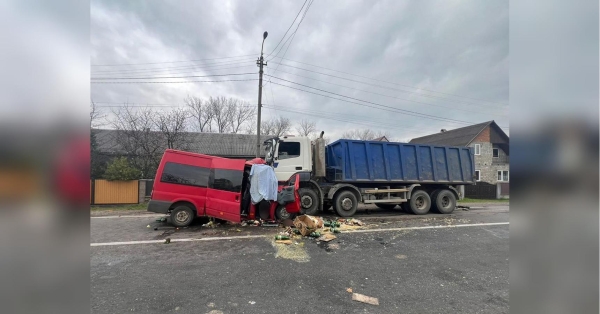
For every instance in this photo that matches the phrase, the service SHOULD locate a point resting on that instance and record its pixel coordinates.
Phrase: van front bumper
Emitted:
(161, 207)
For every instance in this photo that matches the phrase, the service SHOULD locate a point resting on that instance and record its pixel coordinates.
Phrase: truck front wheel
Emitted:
(309, 201)
(345, 204)
(420, 202)
(445, 202)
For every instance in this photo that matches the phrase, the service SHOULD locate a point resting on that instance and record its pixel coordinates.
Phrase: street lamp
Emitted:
(260, 63)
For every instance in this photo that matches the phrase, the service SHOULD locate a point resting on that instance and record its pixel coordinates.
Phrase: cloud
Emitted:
(430, 50)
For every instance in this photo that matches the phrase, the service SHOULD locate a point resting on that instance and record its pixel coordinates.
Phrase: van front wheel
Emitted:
(182, 216)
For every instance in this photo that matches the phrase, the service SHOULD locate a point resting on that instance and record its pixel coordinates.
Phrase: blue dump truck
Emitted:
(345, 173)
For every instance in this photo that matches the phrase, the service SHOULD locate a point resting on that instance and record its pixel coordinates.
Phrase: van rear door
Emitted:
(224, 194)
(182, 177)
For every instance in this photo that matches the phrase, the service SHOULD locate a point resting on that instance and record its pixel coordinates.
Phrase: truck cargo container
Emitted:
(387, 174)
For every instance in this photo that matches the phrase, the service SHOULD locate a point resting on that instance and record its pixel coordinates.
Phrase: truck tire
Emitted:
(386, 206)
(182, 216)
(281, 213)
(309, 201)
(445, 202)
(345, 204)
(420, 202)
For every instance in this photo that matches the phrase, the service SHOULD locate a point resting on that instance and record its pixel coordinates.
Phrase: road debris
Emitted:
(327, 237)
(287, 242)
(148, 226)
(163, 219)
(167, 241)
(364, 299)
(308, 224)
(349, 290)
(252, 302)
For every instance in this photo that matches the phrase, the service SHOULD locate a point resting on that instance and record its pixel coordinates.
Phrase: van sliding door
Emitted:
(224, 193)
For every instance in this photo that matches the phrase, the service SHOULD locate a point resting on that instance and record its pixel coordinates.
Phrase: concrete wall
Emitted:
(142, 191)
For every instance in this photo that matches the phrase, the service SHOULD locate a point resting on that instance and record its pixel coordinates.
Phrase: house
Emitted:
(381, 139)
(489, 142)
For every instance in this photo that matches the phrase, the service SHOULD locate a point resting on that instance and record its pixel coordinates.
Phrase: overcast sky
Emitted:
(447, 60)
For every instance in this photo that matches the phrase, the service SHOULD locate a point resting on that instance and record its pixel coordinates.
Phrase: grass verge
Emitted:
(141, 206)
(476, 200)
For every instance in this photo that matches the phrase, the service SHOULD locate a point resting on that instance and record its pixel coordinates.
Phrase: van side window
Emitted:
(289, 150)
(185, 174)
(228, 180)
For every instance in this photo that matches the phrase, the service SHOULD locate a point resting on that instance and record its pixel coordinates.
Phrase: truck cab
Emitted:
(290, 155)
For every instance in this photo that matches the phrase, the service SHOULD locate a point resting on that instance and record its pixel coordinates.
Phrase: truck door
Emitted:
(291, 157)
(224, 194)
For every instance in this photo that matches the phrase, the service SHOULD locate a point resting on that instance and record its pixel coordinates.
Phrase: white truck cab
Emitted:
(291, 154)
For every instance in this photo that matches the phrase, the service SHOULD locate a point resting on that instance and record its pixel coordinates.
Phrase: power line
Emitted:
(336, 117)
(128, 64)
(294, 21)
(166, 77)
(294, 34)
(376, 104)
(351, 80)
(202, 66)
(152, 82)
(370, 92)
(196, 71)
(370, 78)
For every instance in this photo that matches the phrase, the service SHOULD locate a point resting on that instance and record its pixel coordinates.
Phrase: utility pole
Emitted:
(260, 64)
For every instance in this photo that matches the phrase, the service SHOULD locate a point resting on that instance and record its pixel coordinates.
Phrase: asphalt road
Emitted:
(421, 264)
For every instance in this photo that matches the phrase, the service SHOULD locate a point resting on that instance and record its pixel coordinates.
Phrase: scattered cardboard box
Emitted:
(364, 299)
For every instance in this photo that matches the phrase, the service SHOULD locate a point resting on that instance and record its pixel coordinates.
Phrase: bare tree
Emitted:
(363, 134)
(222, 113)
(201, 113)
(172, 125)
(306, 128)
(277, 127)
(250, 127)
(137, 138)
(243, 114)
(267, 127)
(95, 115)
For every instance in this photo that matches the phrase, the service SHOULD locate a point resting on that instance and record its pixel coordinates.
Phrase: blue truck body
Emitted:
(354, 161)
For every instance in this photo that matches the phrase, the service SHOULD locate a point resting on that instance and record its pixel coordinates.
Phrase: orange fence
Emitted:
(115, 192)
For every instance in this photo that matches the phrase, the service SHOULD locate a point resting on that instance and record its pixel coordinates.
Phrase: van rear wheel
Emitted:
(182, 216)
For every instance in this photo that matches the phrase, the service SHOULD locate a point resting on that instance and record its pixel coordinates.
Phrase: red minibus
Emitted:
(188, 185)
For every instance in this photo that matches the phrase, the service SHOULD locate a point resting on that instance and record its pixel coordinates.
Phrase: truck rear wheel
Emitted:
(386, 206)
(309, 201)
(420, 202)
(345, 204)
(445, 202)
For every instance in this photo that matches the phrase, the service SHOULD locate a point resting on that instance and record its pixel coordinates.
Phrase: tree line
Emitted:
(144, 133)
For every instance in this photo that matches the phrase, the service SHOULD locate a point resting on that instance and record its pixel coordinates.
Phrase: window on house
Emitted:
(477, 175)
(495, 153)
(503, 175)
(477, 149)
(289, 150)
